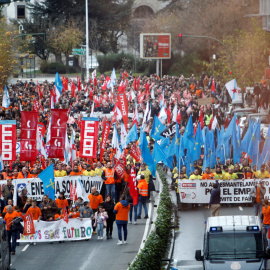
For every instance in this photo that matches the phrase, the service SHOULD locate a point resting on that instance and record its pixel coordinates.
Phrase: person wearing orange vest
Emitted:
(109, 176)
(143, 193)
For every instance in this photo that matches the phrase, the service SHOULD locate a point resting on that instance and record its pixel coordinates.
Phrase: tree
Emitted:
(65, 38)
(107, 18)
(8, 59)
(250, 52)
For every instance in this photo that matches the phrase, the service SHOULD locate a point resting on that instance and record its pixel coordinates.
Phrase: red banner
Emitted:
(132, 183)
(105, 134)
(73, 195)
(58, 133)
(29, 227)
(135, 153)
(29, 121)
(89, 137)
(8, 139)
(123, 104)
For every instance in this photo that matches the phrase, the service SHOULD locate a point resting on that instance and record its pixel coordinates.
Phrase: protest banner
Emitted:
(35, 185)
(231, 191)
(59, 230)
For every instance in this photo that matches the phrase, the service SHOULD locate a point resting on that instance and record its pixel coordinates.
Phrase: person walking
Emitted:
(109, 206)
(109, 176)
(121, 210)
(100, 221)
(214, 203)
(143, 192)
(12, 219)
(266, 221)
(95, 199)
(257, 196)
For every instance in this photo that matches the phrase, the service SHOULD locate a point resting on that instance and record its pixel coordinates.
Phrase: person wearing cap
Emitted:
(89, 172)
(257, 196)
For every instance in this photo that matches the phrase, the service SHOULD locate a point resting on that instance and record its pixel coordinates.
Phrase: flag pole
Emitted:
(258, 155)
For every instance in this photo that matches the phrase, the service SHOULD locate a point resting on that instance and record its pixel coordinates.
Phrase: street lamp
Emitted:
(87, 41)
(214, 58)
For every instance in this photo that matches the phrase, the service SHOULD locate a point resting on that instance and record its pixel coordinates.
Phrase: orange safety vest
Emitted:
(109, 174)
(143, 188)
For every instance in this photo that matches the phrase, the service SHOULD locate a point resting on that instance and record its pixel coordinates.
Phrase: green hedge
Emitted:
(158, 241)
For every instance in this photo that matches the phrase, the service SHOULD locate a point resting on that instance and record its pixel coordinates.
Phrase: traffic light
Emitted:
(180, 38)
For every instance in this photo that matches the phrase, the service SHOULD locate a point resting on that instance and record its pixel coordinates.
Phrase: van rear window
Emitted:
(235, 245)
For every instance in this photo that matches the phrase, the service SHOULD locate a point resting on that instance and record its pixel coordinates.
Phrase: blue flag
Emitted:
(198, 144)
(172, 148)
(158, 154)
(247, 138)
(156, 129)
(189, 139)
(266, 148)
(220, 151)
(253, 149)
(230, 129)
(58, 82)
(165, 145)
(146, 153)
(132, 135)
(47, 177)
(237, 148)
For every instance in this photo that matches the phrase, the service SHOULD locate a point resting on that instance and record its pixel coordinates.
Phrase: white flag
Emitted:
(232, 88)
(123, 136)
(6, 99)
(174, 113)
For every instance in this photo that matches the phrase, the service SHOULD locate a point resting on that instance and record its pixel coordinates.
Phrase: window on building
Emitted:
(21, 12)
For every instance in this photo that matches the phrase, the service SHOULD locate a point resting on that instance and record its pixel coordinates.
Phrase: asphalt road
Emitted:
(80, 255)
(190, 235)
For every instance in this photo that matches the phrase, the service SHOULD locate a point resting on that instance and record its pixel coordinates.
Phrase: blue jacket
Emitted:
(215, 195)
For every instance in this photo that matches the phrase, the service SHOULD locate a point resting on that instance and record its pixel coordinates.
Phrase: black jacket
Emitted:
(215, 195)
(109, 206)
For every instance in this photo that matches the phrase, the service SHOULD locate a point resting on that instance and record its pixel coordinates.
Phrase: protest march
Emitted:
(77, 156)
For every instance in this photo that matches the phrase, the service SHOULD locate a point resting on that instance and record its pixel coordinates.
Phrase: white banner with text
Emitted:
(49, 231)
(62, 184)
(231, 191)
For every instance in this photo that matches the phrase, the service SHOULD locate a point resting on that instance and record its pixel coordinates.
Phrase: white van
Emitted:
(233, 242)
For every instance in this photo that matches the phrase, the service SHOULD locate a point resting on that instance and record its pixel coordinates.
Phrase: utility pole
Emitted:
(87, 41)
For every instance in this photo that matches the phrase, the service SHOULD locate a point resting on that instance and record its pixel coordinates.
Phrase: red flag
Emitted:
(138, 83)
(65, 84)
(41, 129)
(105, 83)
(135, 121)
(135, 153)
(105, 135)
(58, 133)
(140, 97)
(40, 105)
(135, 84)
(91, 94)
(29, 122)
(94, 77)
(178, 118)
(89, 138)
(213, 88)
(123, 104)
(96, 101)
(79, 85)
(29, 227)
(119, 168)
(40, 93)
(201, 119)
(132, 183)
(35, 106)
(65, 215)
(125, 74)
(73, 88)
(73, 195)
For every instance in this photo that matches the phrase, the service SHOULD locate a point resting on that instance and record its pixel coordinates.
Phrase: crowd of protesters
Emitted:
(101, 208)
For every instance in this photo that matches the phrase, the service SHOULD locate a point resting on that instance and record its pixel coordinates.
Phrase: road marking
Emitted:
(240, 208)
(25, 248)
